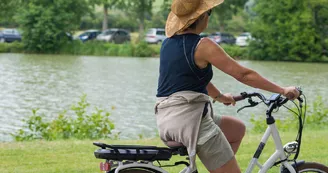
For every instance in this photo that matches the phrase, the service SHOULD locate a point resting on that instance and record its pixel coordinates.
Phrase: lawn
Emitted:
(77, 156)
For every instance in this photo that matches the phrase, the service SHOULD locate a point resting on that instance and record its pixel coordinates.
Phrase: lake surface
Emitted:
(53, 83)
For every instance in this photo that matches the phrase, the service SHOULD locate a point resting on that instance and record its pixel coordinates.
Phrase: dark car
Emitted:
(89, 35)
(10, 35)
(114, 36)
(223, 38)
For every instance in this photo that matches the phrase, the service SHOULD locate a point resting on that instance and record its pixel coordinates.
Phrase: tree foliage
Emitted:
(8, 9)
(140, 10)
(226, 10)
(107, 4)
(46, 23)
(159, 19)
(290, 30)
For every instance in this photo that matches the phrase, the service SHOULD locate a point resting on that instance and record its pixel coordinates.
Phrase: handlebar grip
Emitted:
(238, 98)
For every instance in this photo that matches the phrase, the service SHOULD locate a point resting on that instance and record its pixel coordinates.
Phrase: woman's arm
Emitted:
(214, 54)
(218, 95)
(212, 90)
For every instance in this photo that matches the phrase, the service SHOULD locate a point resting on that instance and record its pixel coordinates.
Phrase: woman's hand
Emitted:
(291, 93)
(227, 99)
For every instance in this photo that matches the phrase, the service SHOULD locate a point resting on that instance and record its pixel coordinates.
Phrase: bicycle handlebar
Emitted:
(238, 98)
(245, 95)
(275, 99)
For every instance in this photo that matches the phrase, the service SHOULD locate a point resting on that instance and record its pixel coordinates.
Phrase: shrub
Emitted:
(143, 49)
(125, 50)
(111, 49)
(236, 52)
(94, 48)
(81, 126)
(156, 48)
(15, 47)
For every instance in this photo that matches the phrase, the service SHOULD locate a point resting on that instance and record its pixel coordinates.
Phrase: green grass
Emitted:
(77, 156)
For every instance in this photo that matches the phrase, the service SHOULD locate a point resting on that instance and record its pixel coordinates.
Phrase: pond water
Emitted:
(52, 83)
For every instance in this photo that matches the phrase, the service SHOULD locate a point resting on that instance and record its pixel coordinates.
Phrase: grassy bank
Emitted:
(107, 49)
(77, 156)
(93, 48)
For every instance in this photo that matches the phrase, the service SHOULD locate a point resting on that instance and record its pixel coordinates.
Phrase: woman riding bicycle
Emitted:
(183, 108)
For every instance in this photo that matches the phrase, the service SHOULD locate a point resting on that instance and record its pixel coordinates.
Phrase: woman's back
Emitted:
(178, 70)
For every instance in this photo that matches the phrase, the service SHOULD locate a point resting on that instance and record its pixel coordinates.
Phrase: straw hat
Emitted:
(186, 12)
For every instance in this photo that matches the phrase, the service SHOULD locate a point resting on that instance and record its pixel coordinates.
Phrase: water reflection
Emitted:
(52, 83)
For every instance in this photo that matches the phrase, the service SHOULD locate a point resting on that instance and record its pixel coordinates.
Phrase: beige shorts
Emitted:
(216, 151)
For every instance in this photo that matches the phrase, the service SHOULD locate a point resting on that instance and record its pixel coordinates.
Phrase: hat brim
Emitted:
(175, 24)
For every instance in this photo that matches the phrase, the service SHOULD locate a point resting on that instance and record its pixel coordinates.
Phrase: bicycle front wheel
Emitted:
(312, 167)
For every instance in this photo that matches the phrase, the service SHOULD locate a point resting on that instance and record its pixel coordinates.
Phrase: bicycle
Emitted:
(140, 159)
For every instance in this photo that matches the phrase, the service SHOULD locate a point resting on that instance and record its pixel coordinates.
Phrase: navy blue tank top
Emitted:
(178, 70)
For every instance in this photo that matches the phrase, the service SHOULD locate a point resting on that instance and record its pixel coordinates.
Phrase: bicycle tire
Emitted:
(312, 167)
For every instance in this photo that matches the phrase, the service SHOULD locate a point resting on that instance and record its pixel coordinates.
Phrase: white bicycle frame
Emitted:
(278, 154)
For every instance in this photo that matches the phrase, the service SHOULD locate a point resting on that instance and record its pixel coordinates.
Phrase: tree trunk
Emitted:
(141, 27)
(105, 21)
(222, 20)
(221, 27)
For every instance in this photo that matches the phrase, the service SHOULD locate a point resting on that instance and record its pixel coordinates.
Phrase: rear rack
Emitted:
(137, 152)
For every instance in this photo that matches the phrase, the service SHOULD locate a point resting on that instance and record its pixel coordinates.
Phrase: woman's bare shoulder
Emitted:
(207, 48)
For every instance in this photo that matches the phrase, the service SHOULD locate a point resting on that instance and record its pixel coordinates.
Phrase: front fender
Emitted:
(294, 165)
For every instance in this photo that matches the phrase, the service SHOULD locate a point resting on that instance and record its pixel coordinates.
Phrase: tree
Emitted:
(289, 31)
(141, 9)
(107, 4)
(226, 10)
(159, 20)
(8, 9)
(46, 24)
(319, 10)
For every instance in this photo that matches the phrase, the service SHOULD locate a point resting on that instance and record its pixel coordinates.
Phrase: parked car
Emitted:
(243, 39)
(115, 36)
(89, 35)
(223, 38)
(155, 35)
(10, 35)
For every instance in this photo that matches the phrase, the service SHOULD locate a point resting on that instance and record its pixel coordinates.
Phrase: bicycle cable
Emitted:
(301, 123)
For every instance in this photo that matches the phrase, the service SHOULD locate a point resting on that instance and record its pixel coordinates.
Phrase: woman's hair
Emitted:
(195, 24)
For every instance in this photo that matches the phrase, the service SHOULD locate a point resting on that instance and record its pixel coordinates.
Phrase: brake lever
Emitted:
(299, 89)
(251, 102)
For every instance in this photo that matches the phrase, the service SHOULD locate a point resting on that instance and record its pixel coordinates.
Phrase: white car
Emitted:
(243, 39)
(155, 36)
